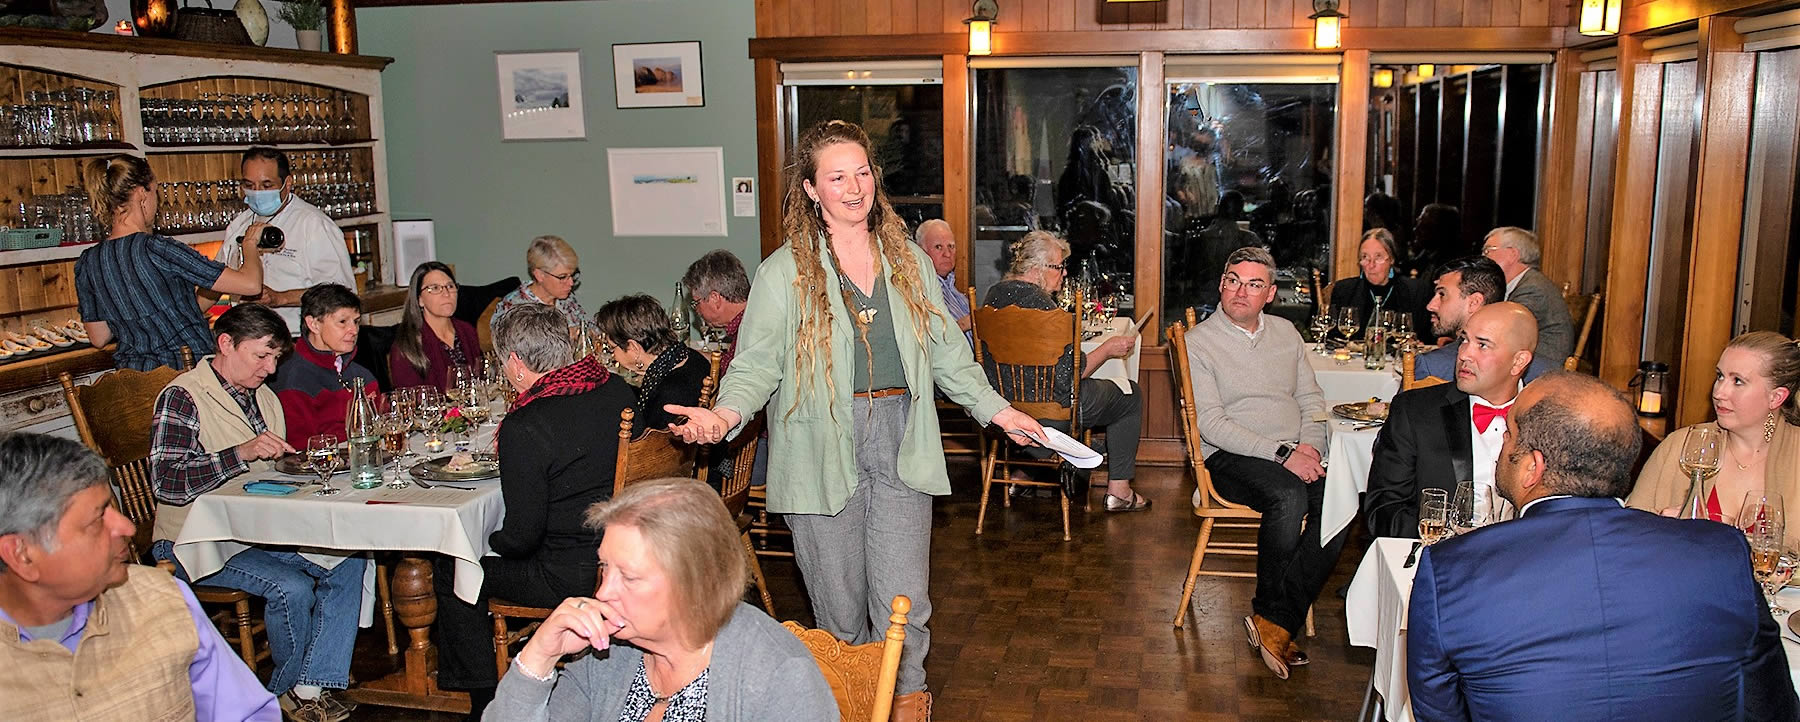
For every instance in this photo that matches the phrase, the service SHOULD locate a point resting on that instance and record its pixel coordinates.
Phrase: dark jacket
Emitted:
(1424, 445)
(314, 393)
(1409, 297)
(437, 359)
(681, 387)
(557, 455)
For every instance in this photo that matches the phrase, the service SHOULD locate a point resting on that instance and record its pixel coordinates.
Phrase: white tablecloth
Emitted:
(1350, 452)
(1790, 643)
(1120, 371)
(1350, 380)
(1375, 614)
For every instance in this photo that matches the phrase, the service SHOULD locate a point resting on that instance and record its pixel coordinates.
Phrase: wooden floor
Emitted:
(1028, 627)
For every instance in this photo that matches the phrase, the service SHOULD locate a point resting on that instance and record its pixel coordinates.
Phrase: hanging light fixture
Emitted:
(1600, 17)
(981, 26)
(1383, 77)
(1426, 70)
(1327, 25)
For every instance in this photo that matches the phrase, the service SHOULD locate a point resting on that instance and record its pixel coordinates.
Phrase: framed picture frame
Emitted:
(667, 191)
(540, 95)
(658, 75)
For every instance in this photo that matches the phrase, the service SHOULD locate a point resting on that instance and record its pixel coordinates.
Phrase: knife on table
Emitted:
(1413, 557)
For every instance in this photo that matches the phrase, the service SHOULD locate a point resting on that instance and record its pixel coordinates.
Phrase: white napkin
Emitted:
(1075, 452)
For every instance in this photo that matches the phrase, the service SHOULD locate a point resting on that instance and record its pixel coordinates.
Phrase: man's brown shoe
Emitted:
(1267, 637)
(915, 707)
(1295, 656)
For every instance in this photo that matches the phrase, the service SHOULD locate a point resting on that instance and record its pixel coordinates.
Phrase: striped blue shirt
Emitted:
(955, 302)
(142, 286)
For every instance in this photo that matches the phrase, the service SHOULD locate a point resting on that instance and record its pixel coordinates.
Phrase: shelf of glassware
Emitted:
(63, 253)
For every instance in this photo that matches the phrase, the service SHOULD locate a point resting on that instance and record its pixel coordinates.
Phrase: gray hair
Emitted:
(1518, 238)
(1250, 254)
(547, 252)
(1386, 238)
(1033, 251)
(538, 334)
(919, 233)
(39, 474)
(718, 272)
(1588, 448)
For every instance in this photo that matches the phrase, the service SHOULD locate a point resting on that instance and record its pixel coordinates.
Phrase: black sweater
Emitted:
(556, 458)
(680, 387)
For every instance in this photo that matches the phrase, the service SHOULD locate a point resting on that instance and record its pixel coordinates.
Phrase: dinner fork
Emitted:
(425, 485)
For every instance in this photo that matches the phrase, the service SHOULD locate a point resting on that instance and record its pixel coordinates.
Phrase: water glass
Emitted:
(323, 458)
(1434, 515)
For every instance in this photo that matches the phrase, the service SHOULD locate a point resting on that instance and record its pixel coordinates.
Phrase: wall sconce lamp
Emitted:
(1426, 70)
(1383, 77)
(981, 25)
(1327, 22)
(1600, 17)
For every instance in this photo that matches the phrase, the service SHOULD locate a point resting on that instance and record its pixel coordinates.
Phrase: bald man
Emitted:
(1582, 609)
(1439, 435)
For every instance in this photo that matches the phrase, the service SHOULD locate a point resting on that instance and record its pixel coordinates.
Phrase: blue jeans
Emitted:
(311, 612)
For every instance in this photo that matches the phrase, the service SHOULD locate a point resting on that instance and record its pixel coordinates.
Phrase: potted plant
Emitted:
(307, 17)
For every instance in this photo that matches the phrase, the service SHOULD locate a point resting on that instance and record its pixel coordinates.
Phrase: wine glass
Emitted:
(1434, 515)
(322, 457)
(1472, 507)
(1321, 325)
(1763, 511)
(1346, 322)
(1699, 461)
(1771, 561)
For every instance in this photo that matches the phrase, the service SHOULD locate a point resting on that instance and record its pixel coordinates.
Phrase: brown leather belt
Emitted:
(881, 393)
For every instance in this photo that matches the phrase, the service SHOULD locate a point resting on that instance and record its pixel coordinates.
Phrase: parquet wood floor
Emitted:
(1028, 627)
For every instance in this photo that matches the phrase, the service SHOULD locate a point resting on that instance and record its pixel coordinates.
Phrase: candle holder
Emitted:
(1651, 384)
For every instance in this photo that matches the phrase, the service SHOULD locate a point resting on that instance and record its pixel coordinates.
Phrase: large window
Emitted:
(900, 105)
(1769, 269)
(1247, 163)
(1054, 149)
(1672, 217)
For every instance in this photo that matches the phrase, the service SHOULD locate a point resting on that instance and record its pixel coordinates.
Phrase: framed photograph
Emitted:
(667, 191)
(658, 75)
(540, 96)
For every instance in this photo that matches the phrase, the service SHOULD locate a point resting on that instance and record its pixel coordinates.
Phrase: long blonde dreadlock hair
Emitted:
(804, 227)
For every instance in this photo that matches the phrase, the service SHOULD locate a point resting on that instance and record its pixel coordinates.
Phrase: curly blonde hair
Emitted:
(804, 225)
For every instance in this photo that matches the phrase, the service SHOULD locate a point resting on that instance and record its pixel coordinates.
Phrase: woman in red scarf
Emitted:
(556, 460)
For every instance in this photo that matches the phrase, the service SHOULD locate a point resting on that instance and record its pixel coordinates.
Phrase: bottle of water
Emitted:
(364, 433)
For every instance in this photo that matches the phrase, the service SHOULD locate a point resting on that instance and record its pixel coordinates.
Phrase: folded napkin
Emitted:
(269, 488)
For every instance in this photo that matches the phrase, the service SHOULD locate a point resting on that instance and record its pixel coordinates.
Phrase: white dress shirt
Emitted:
(314, 252)
(1484, 448)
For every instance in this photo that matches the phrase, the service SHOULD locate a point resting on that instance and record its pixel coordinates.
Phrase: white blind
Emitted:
(1773, 31)
(1310, 68)
(877, 72)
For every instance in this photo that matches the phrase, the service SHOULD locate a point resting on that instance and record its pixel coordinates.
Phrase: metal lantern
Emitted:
(1651, 383)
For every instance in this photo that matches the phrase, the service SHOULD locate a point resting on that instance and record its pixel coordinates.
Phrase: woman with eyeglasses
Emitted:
(637, 331)
(555, 271)
(429, 342)
(1380, 285)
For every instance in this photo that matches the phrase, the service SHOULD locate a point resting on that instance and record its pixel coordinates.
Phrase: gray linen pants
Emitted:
(855, 561)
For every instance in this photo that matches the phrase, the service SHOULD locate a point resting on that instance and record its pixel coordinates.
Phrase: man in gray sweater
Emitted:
(1261, 415)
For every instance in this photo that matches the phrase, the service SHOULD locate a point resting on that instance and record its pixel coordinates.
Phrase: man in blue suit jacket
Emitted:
(1582, 609)
(1462, 287)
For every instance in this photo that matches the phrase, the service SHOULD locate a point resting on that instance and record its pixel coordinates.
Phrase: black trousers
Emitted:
(1120, 415)
(465, 632)
(1291, 565)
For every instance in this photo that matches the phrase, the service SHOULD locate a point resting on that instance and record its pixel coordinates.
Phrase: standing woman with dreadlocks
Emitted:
(849, 341)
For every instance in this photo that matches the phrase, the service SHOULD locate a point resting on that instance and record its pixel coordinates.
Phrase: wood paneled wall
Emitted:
(818, 18)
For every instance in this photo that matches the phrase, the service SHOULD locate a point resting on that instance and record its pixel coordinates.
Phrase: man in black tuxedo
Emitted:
(1439, 435)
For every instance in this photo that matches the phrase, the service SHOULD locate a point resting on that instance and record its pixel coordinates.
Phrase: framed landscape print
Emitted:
(658, 75)
(540, 96)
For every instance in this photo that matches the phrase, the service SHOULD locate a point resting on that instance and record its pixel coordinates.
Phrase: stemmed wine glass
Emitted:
(1346, 323)
(322, 457)
(1700, 461)
(1321, 326)
(1763, 519)
(1434, 515)
(1473, 507)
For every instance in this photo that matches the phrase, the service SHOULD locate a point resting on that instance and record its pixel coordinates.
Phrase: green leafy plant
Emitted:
(302, 14)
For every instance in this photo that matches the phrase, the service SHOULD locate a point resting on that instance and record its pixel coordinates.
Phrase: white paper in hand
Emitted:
(1075, 452)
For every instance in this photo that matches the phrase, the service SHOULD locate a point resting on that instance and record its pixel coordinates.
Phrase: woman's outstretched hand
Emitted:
(704, 426)
(1023, 429)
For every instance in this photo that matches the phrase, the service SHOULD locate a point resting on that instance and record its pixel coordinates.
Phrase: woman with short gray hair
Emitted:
(554, 272)
(1037, 249)
(557, 456)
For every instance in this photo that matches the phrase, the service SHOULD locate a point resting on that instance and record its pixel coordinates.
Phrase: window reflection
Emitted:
(906, 124)
(1246, 164)
(1054, 150)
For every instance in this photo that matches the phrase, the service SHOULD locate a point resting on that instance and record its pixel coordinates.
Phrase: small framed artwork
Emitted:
(667, 191)
(540, 96)
(658, 75)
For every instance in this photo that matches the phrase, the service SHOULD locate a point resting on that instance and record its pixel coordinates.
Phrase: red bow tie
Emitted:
(1485, 415)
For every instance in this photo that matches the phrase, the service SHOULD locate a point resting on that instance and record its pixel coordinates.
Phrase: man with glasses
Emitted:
(1261, 415)
(1516, 250)
(313, 252)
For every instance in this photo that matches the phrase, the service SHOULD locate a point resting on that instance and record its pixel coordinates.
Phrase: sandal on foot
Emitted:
(1137, 502)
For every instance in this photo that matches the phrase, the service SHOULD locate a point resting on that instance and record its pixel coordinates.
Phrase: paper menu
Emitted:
(1072, 451)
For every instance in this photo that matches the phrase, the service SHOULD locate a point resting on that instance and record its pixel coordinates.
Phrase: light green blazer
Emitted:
(812, 451)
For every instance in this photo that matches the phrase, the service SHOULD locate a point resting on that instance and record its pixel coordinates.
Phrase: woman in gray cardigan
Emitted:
(671, 639)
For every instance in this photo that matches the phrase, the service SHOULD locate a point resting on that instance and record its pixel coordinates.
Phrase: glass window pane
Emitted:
(1054, 149)
(1672, 219)
(1247, 164)
(1769, 267)
(906, 124)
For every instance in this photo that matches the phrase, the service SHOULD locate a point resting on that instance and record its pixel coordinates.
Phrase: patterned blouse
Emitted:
(687, 705)
(570, 307)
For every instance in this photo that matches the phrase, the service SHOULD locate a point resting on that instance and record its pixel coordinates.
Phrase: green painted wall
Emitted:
(446, 161)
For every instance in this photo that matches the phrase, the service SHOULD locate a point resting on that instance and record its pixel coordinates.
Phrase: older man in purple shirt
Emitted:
(84, 634)
(940, 245)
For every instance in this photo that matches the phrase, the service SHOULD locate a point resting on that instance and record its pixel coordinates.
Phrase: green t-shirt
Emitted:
(877, 361)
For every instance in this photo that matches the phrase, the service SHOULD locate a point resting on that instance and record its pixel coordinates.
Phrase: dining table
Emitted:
(1347, 378)
(1122, 372)
(1348, 455)
(417, 522)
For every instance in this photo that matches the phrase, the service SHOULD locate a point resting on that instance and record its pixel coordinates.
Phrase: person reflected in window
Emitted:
(1216, 242)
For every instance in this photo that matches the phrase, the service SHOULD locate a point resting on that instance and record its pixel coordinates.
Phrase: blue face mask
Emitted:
(263, 203)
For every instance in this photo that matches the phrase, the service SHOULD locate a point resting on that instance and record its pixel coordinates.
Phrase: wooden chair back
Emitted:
(735, 489)
(861, 676)
(655, 455)
(1022, 346)
(709, 387)
(131, 489)
(1409, 363)
(1320, 302)
(113, 413)
(1211, 504)
(1583, 309)
(484, 326)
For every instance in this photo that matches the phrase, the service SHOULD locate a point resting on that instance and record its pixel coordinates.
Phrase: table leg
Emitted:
(415, 684)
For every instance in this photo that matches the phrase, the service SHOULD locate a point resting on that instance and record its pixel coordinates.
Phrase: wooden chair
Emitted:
(484, 326)
(113, 413)
(1583, 309)
(764, 529)
(1215, 512)
(1024, 345)
(505, 638)
(862, 676)
(735, 491)
(655, 455)
(1409, 361)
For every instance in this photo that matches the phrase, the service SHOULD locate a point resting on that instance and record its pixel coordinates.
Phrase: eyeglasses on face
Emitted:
(1062, 267)
(1256, 285)
(437, 288)
(575, 274)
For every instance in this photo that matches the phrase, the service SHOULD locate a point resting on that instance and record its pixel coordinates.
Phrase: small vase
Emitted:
(308, 39)
(255, 20)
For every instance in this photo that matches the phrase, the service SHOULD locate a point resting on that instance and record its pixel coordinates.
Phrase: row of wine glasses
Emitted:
(340, 200)
(65, 116)
(1442, 516)
(68, 211)
(184, 206)
(1763, 517)
(235, 118)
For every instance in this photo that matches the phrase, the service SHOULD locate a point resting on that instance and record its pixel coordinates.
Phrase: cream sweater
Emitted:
(1253, 394)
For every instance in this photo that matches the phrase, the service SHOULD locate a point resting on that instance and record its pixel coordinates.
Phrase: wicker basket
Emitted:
(210, 25)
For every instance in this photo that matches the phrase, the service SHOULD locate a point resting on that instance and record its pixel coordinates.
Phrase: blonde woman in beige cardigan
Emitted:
(1755, 406)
